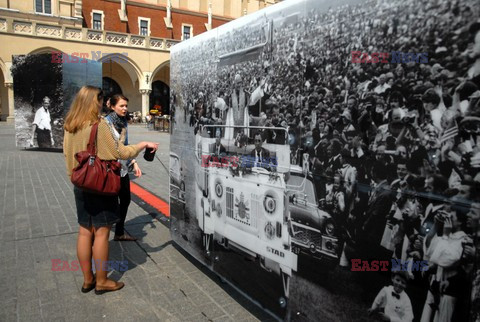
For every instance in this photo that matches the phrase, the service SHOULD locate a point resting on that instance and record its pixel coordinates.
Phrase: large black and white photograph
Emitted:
(44, 90)
(325, 157)
(78, 73)
(187, 74)
(39, 111)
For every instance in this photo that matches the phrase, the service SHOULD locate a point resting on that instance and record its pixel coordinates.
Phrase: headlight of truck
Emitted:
(329, 228)
(269, 230)
(269, 204)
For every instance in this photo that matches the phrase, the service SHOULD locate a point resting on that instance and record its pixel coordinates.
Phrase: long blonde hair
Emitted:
(85, 109)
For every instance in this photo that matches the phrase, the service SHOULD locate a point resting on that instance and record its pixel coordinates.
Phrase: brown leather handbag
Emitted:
(94, 175)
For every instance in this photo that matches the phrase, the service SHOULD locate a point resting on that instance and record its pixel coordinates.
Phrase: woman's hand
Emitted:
(136, 170)
(151, 145)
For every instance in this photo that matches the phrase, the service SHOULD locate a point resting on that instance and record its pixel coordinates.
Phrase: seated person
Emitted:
(259, 156)
(218, 148)
(217, 152)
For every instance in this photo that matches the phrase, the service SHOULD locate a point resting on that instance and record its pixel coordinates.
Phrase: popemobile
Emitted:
(243, 206)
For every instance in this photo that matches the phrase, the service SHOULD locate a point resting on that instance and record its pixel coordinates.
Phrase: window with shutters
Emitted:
(43, 6)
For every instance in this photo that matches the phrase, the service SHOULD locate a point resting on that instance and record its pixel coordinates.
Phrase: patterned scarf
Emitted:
(119, 122)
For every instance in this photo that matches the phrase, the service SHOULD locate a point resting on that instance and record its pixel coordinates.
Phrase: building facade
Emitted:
(140, 32)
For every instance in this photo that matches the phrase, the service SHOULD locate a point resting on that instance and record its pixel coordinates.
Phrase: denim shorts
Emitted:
(95, 210)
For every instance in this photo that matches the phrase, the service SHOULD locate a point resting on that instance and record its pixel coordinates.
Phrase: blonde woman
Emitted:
(95, 213)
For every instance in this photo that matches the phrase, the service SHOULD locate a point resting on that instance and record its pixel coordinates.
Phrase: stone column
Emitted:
(145, 101)
(11, 112)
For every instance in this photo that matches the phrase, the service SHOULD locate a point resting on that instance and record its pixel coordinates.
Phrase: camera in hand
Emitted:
(409, 119)
(149, 154)
(442, 215)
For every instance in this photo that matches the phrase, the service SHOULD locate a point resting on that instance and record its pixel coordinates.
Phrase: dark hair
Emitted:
(401, 161)
(402, 274)
(461, 207)
(259, 134)
(430, 96)
(396, 95)
(336, 146)
(379, 170)
(474, 28)
(353, 97)
(467, 89)
(440, 184)
(116, 98)
(370, 100)
(447, 100)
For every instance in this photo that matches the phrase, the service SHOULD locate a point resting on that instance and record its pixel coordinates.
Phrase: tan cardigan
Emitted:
(108, 148)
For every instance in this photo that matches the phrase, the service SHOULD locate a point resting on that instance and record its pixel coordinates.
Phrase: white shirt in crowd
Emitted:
(397, 309)
(42, 119)
(381, 88)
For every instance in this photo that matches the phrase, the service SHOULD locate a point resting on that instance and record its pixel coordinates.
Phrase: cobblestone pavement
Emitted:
(38, 224)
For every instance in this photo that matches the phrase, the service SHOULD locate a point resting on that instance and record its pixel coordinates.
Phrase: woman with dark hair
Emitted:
(96, 213)
(117, 117)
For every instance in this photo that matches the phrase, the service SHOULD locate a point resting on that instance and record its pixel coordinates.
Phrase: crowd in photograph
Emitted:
(392, 147)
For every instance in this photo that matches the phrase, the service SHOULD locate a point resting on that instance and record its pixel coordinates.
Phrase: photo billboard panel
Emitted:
(35, 79)
(324, 158)
(44, 88)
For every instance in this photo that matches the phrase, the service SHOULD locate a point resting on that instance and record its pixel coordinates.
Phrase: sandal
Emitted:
(89, 287)
(124, 237)
(118, 286)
